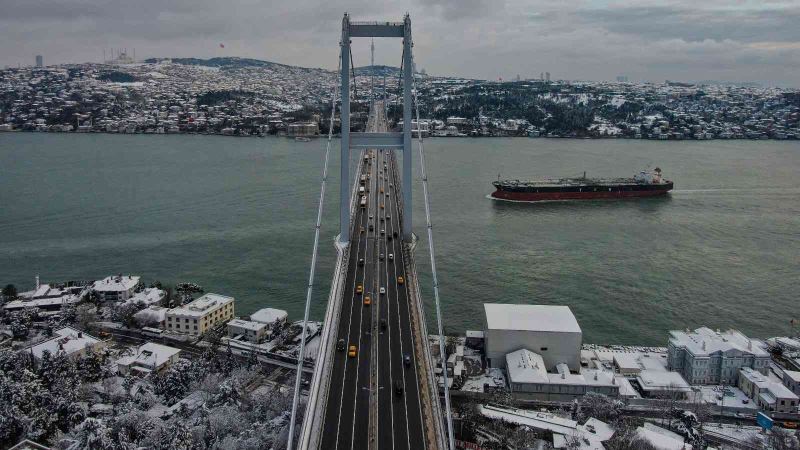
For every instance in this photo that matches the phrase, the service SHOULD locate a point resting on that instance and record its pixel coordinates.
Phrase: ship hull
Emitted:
(620, 192)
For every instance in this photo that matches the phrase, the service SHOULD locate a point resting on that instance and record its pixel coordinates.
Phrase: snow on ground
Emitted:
(493, 377)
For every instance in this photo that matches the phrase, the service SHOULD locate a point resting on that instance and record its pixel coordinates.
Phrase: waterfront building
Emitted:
(49, 297)
(303, 129)
(766, 393)
(791, 379)
(528, 378)
(273, 318)
(114, 288)
(247, 329)
(200, 315)
(66, 341)
(550, 331)
(153, 316)
(148, 358)
(704, 356)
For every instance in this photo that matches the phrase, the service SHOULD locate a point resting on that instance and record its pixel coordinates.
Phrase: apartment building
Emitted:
(200, 315)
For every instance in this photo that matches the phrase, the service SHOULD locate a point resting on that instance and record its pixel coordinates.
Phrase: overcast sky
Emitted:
(647, 40)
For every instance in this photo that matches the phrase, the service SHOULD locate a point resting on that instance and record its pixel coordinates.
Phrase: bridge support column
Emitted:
(344, 188)
(408, 72)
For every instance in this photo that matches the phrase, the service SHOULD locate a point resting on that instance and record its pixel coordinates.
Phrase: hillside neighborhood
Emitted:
(247, 97)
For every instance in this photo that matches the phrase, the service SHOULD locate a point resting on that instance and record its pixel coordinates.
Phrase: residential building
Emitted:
(153, 316)
(148, 358)
(201, 314)
(248, 330)
(704, 356)
(791, 379)
(273, 318)
(67, 341)
(550, 331)
(303, 129)
(768, 394)
(148, 296)
(116, 288)
(39, 61)
(49, 297)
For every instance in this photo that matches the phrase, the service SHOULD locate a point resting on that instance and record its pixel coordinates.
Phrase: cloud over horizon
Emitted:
(740, 40)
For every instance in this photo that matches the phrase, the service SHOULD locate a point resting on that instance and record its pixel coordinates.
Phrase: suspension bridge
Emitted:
(373, 384)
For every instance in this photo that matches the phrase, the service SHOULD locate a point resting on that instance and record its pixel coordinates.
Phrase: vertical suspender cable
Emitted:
(300, 358)
(449, 415)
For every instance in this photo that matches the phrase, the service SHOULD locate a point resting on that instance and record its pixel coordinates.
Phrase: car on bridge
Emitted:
(398, 387)
(391, 256)
(367, 300)
(383, 290)
(361, 262)
(406, 360)
(400, 280)
(340, 345)
(352, 351)
(359, 288)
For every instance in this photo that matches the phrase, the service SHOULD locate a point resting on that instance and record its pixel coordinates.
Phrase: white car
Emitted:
(391, 256)
(383, 290)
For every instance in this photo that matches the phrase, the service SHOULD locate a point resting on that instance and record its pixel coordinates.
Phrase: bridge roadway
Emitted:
(398, 418)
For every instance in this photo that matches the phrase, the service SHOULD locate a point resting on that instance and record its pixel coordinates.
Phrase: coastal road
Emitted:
(381, 331)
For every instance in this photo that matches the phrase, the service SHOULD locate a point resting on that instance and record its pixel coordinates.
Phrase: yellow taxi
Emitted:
(351, 352)
(381, 205)
(359, 288)
(367, 300)
(400, 280)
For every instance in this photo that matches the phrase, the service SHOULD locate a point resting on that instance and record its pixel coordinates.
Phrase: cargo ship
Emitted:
(643, 184)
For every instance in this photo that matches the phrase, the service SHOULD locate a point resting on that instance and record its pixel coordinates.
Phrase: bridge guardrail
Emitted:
(318, 391)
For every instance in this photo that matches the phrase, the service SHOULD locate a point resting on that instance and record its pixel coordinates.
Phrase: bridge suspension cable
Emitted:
(426, 196)
(300, 358)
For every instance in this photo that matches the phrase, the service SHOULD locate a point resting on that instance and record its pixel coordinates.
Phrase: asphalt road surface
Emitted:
(387, 320)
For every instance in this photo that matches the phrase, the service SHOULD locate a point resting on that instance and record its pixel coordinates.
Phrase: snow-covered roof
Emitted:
(202, 305)
(662, 439)
(116, 283)
(152, 313)
(268, 315)
(150, 355)
(590, 435)
(766, 385)
(246, 324)
(525, 366)
(550, 318)
(651, 380)
(149, 296)
(792, 375)
(705, 341)
(67, 340)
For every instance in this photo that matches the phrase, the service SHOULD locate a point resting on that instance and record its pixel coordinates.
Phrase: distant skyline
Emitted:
(737, 41)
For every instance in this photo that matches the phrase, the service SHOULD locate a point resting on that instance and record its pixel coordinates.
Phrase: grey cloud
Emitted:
(665, 22)
(474, 38)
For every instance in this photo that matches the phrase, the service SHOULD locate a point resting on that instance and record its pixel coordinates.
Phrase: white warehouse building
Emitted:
(550, 331)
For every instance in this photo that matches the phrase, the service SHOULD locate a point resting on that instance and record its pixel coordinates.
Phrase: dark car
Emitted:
(340, 345)
(389, 237)
(383, 324)
(406, 360)
(394, 234)
(398, 387)
(361, 262)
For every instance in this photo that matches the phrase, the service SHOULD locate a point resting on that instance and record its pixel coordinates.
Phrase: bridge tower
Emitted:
(389, 140)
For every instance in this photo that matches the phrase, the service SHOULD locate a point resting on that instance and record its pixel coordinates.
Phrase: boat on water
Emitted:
(643, 184)
(302, 139)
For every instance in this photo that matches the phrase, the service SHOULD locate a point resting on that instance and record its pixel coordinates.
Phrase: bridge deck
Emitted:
(382, 332)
